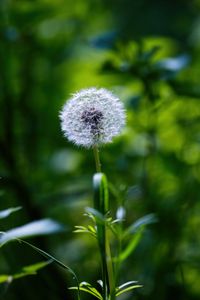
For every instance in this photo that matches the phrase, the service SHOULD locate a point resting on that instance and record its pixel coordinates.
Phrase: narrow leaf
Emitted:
(88, 289)
(85, 290)
(131, 246)
(53, 259)
(98, 215)
(7, 212)
(91, 228)
(126, 284)
(41, 227)
(36, 267)
(5, 278)
(47, 255)
(82, 229)
(145, 220)
(128, 289)
(26, 271)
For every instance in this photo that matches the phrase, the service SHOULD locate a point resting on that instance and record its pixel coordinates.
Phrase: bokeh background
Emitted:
(148, 53)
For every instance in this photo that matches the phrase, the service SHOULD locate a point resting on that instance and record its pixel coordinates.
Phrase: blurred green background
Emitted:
(146, 52)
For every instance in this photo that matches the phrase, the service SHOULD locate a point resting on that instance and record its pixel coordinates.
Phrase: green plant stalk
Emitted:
(101, 203)
(110, 270)
(119, 250)
(97, 159)
(102, 246)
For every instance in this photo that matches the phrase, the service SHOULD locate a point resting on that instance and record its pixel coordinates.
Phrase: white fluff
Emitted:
(92, 117)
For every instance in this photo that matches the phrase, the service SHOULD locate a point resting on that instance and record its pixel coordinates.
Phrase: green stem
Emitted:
(97, 159)
(102, 205)
(109, 266)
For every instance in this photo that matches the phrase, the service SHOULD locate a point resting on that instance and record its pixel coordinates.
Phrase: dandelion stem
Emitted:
(97, 159)
(101, 204)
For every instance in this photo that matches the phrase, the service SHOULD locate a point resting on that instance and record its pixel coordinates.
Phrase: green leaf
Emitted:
(53, 259)
(41, 227)
(26, 271)
(131, 246)
(32, 269)
(85, 290)
(128, 289)
(145, 220)
(135, 231)
(99, 217)
(5, 278)
(92, 228)
(47, 255)
(126, 284)
(7, 212)
(130, 285)
(89, 229)
(88, 288)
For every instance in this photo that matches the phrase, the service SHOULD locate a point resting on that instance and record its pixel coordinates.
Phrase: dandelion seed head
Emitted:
(92, 117)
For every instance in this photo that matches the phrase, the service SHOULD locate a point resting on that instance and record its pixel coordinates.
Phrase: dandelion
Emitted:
(92, 117)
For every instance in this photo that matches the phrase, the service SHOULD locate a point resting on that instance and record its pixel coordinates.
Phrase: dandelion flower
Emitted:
(92, 117)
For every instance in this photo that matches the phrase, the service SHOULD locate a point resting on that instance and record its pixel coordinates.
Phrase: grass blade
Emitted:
(7, 212)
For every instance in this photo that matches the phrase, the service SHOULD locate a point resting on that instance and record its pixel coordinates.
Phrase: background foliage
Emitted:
(147, 52)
